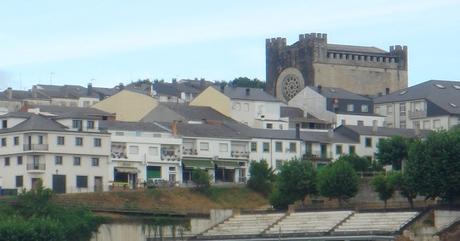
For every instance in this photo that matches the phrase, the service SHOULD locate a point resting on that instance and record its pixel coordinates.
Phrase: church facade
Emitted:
(312, 61)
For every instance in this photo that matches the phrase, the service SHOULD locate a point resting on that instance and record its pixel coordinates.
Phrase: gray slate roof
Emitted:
(339, 93)
(291, 112)
(63, 112)
(355, 49)
(131, 126)
(196, 112)
(255, 94)
(35, 123)
(382, 131)
(442, 93)
(209, 130)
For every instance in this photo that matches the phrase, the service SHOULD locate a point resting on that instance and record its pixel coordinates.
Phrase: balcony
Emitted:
(170, 154)
(189, 151)
(417, 114)
(317, 156)
(35, 147)
(36, 167)
(240, 154)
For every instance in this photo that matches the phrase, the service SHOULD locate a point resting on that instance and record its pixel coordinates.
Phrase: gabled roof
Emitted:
(338, 93)
(20, 95)
(355, 49)
(383, 131)
(291, 112)
(196, 113)
(215, 130)
(252, 94)
(63, 112)
(443, 93)
(131, 126)
(36, 123)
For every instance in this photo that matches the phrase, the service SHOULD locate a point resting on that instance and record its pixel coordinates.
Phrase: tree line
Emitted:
(429, 167)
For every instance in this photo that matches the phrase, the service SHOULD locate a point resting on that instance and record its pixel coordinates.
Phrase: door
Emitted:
(36, 182)
(98, 184)
(59, 183)
(323, 151)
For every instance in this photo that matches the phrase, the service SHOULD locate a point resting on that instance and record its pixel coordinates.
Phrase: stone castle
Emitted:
(312, 61)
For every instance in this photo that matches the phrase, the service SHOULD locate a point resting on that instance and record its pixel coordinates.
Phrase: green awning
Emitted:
(227, 164)
(201, 164)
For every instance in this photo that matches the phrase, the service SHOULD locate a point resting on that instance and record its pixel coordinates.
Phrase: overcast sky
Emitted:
(108, 42)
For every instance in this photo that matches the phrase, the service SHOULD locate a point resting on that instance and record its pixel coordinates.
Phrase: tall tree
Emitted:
(360, 164)
(295, 180)
(392, 151)
(338, 180)
(385, 185)
(261, 177)
(247, 82)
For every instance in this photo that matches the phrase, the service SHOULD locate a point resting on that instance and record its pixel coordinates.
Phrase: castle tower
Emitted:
(311, 61)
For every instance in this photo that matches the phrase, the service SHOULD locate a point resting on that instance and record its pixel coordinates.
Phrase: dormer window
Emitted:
(4, 124)
(350, 107)
(90, 124)
(77, 124)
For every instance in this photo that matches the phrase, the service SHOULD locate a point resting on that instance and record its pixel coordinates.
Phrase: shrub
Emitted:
(261, 177)
(202, 180)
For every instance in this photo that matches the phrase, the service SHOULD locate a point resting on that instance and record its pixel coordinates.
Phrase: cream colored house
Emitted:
(128, 105)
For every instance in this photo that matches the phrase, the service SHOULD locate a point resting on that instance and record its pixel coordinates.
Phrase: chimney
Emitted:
(330, 133)
(320, 88)
(201, 83)
(375, 126)
(89, 90)
(248, 91)
(174, 81)
(174, 128)
(9, 93)
(387, 91)
(297, 131)
(222, 88)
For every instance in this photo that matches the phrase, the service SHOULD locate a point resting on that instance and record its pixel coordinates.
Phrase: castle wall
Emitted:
(359, 79)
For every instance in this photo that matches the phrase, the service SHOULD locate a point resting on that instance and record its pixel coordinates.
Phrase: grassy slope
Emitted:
(166, 200)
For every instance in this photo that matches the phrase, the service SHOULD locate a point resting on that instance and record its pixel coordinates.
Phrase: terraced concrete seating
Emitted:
(376, 222)
(249, 224)
(309, 222)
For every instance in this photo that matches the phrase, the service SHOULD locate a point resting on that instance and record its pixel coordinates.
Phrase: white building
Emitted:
(335, 105)
(142, 151)
(68, 154)
(431, 105)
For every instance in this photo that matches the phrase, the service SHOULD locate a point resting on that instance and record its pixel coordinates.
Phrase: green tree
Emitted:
(338, 180)
(261, 177)
(437, 165)
(202, 180)
(385, 185)
(360, 164)
(407, 186)
(295, 180)
(393, 151)
(247, 82)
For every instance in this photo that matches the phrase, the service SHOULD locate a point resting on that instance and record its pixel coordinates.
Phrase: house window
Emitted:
(343, 122)
(364, 108)
(402, 124)
(426, 125)
(253, 146)
(389, 109)
(40, 140)
(16, 140)
(368, 142)
(79, 141)
(97, 142)
(77, 124)
(19, 160)
(437, 124)
(3, 141)
(82, 181)
(58, 160)
(91, 124)
(119, 133)
(402, 109)
(269, 126)
(236, 106)
(60, 140)
(350, 107)
(266, 147)
(360, 123)
(4, 123)
(7, 161)
(416, 124)
(338, 149)
(153, 151)
(76, 161)
(293, 147)
(351, 150)
(204, 146)
(223, 147)
(278, 146)
(95, 162)
(278, 164)
(134, 150)
(19, 181)
(377, 109)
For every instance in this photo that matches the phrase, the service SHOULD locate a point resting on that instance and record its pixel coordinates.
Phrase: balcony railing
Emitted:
(417, 114)
(35, 147)
(36, 166)
(313, 156)
(240, 154)
(169, 154)
(189, 151)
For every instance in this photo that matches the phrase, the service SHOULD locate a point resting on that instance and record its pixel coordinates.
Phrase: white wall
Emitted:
(368, 120)
(248, 111)
(273, 155)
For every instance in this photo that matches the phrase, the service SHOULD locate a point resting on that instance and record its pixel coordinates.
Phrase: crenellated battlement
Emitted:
(313, 37)
(275, 42)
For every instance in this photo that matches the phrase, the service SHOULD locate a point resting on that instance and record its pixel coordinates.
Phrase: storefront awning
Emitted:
(202, 164)
(130, 170)
(227, 164)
